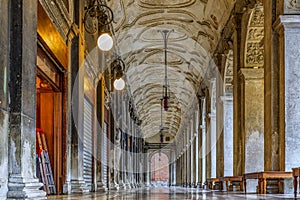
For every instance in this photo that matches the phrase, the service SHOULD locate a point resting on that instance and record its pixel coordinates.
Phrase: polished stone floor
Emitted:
(163, 193)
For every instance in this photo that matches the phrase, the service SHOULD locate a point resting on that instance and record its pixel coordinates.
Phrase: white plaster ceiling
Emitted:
(197, 25)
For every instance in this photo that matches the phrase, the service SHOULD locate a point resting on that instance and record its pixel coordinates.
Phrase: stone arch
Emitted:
(167, 152)
(159, 168)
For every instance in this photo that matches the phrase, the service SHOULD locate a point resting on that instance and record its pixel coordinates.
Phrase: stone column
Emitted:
(77, 84)
(238, 157)
(170, 174)
(220, 61)
(196, 149)
(272, 86)
(252, 120)
(4, 109)
(148, 169)
(288, 27)
(122, 163)
(211, 132)
(174, 171)
(188, 155)
(203, 141)
(228, 134)
(22, 181)
(133, 185)
(127, 150)
(193, 162)
(181, 164)
(101, 186)
(200, 145)
(177, 173)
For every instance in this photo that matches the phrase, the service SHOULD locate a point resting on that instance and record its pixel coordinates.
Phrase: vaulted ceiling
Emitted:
(197, 26)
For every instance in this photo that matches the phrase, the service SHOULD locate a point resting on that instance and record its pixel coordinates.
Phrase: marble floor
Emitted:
(163, 193)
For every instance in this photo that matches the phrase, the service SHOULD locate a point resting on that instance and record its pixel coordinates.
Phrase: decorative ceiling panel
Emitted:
(196, 25)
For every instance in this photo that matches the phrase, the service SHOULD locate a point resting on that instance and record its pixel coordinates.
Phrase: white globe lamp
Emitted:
(105, 42)
(119, 84)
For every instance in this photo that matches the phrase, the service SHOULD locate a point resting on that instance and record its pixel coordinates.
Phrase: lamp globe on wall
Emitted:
(98, 18)
(105, 42)
(117, 67)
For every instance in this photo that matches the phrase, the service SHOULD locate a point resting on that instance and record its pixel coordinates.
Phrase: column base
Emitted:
(101, 187)
(142, 184)
(132, 185)
(113, 186)
(127, 186)
(67, 188)
(121, 185)
(21, 188)
(79, 187)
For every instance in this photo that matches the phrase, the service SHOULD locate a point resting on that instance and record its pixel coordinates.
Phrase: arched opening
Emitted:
(159, 169)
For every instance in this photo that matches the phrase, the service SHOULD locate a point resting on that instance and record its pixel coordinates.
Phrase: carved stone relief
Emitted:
(254, 51)
(292, 6)
(254, 55)
(228, 74)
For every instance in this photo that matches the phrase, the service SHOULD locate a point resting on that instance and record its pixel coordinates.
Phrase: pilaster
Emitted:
(288, 27)
(4, 110)
(271, 89)
(22, 181)
(227, 101)
(252, 120)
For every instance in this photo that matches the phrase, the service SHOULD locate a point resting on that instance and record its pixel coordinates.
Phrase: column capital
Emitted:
(251, 73)
(211, 115)
(226, 98)
(287, 22)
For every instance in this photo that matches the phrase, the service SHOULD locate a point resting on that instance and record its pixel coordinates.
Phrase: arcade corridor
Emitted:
(149, 99)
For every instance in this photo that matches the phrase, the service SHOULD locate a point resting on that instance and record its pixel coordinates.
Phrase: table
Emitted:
(296, 172)
(262, 179)
(211, 181)
(231, 179)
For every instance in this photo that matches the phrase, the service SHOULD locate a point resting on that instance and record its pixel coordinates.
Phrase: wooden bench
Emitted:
(262, 179)
(211, 182)
(231, 179)
(296, 172)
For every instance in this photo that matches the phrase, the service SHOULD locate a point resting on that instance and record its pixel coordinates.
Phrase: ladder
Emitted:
(44, 161)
